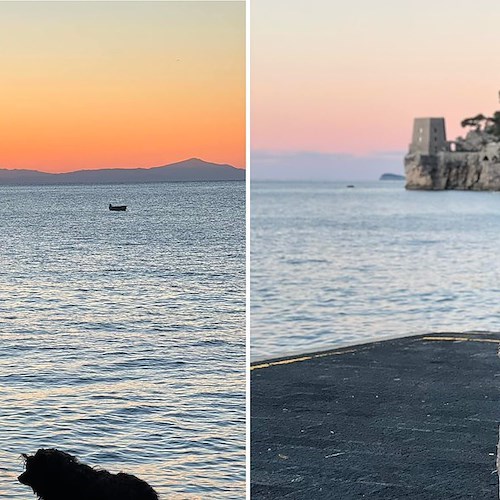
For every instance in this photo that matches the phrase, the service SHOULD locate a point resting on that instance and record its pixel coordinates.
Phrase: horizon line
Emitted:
(120, 168)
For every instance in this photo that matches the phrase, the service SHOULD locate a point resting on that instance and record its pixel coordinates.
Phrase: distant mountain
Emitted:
(193, 169)
(392, 177)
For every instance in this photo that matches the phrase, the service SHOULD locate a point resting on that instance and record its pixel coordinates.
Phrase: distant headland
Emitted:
(193, 170)
(392, 177)
(470, 163)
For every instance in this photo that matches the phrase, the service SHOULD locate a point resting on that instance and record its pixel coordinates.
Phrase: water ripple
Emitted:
(332, 266)
(122, 338)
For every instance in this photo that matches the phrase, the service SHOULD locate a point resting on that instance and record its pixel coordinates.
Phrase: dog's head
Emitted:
(46, 469)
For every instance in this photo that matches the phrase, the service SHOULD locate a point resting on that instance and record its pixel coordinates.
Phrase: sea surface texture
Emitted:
(122, 334)
(333, 266)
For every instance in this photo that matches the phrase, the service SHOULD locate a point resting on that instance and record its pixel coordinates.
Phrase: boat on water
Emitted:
(117, 208)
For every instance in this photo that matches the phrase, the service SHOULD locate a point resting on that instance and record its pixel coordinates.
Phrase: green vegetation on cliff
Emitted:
(487, 124)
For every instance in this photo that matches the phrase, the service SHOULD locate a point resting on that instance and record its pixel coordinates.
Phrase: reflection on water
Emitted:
(122, 333)
(334, 266)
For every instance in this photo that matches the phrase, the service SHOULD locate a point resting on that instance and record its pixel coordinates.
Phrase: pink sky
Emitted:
(331, 76)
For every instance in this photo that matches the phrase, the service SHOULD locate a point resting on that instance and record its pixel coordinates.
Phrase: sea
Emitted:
(333, 266)
(122, 334)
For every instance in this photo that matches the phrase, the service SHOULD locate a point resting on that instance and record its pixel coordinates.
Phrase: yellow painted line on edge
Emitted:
(462, 339)
(284, 362)
(298, 360)
(338, 353)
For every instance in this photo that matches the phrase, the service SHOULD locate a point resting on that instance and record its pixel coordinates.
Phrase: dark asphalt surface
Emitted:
(408, 418)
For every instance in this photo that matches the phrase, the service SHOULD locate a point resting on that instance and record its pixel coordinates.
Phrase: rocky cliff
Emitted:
(466, 170)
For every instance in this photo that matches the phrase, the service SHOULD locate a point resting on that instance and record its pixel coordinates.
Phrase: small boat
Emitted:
(117, 208)
(350, 185)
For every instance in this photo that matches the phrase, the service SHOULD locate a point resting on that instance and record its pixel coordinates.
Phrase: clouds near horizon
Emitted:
(315, 166)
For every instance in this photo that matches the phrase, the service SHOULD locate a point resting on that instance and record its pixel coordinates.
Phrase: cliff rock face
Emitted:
(473, 170)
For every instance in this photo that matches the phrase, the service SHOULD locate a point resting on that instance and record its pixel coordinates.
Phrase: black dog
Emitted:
(56, 475)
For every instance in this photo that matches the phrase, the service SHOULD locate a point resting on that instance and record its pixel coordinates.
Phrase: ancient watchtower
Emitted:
(429, 136)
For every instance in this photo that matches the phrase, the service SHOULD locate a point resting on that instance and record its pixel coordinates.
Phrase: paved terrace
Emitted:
(412, 418)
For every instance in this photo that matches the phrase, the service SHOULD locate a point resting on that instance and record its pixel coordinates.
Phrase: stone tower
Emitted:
(429, 136)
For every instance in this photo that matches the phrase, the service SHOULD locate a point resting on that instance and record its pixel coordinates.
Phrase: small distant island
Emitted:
(392, 177)
(192, 170)
(470, 164)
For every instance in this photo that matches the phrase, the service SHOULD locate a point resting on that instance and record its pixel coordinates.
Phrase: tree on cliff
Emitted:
(487, 124)
(475, 121)
(494, 127)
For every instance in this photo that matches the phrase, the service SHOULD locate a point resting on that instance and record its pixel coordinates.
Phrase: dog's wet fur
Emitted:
(56, 475)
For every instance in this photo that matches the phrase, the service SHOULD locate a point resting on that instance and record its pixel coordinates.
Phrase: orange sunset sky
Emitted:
(88, 85)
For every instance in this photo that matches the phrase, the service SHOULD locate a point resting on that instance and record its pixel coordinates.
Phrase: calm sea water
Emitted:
(333, 266)
(122, 334)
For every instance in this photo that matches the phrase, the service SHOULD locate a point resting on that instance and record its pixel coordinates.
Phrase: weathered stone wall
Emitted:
(429, 136)
(476, 171)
